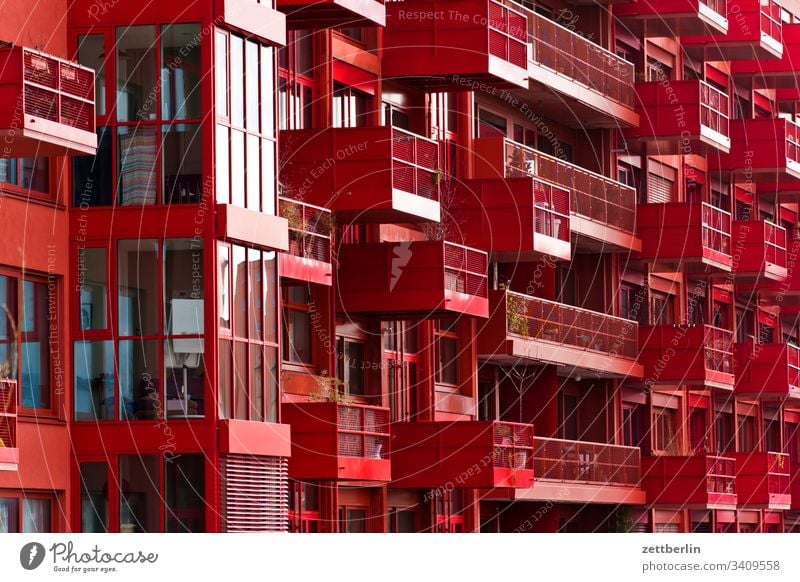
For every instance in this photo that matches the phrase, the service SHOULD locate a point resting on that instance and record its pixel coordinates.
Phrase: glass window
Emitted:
(138, 287)
(225, 376)
(182, 164)
(222, 164)
(271, 296)
(94, 497)
(36, 516)
(237, 168)
(92, 175)
(9, 515)
(256, 382)
(34, 174)
(93, 288)
(447, 368)
(224, 282)
(139, 380)
(252, 70)
(253, 171)
(353, 367)
(136, 73)
(137, 178)
(237, 81)
(240, 381)
(8, 319)
(221, 73)
(9, 171)
(267, 91)
(271, 360)
(297, 326)
(184, 481)
(268, 176)
(183, 286)
(184, 364)
(239, 291)
(94, 380)
(91, 53)
(255, 294)
(180, 71)
(35, 345)
(139, 496)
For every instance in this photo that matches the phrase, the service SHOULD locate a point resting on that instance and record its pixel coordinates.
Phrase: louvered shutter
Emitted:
(659, 189)
(255, 493)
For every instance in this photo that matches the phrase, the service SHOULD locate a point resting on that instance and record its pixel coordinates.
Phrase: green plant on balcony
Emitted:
(294, 216)
(516, 312)
(7, 368)
(329, 389)
(623, 520)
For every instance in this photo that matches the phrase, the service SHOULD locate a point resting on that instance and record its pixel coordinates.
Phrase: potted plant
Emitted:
(329, 390)
(516, 312)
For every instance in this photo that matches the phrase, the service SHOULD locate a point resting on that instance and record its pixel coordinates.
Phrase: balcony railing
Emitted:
(764, 479)
(8, 414)
(414, 161)
(465, 270)
(769, 371)
(309, 229)
(721, 473)
(540, 319)
(507, 33)
(715, 108)
(570, 54)
(716, 229)
(761, 247)
(363, 431)
(513, 448)
(551, 210)
(594, 463)
(675, 17)
(771, 19)
(701, 480)
(594, 196)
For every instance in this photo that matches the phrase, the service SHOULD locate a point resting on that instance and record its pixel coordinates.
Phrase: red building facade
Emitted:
(437, 265)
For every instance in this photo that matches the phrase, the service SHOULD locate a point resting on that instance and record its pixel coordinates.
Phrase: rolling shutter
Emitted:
(255, 493)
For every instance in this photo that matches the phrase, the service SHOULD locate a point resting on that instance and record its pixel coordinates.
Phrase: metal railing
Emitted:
(508, 34)
(363, 431)
(718, 349)
(775, 243)
(593, 195)
(603, 464)
(466, 270)
(551, 210)
(541, 319)
(513, 445)
(778, 475)
(58, 91)
(573, 55)
(792, 141)
(793, 363)
(8, 413)
(414, 164)
(771, 19)
(720, 474)
(716, 229)
(309, 229)
(718, 6)
(715, 108)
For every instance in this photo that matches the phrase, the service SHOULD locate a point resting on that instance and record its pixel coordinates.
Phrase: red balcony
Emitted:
(700, 481)
(754, 33)
(788, 289)
(763, 479)
(700, 355)
(477, 454)
(314, 14)
(9, 451)
(576, 340)
(773, 73)
(681, 117)
(467, 45)
(46, 105)
(576, 81)
(517, 219)
(673, 17)
(333, 440)
(364, 174)
(765, 152)
(603, 210)
(691, 234)
(254, 18)
(420, 278)
(759, 248)
(309, 255)
(768, 371)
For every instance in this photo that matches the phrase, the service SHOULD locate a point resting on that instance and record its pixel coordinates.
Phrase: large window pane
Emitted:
(221, 73)
(92, 54)
(256, 382)
(224, 284)
(239, 291)
(222, 164)
(136, 73)
(93, 287)
(183, 286)
(237, 168)
(8, 171)
(36, 516)
(34, 174)
(268, 176)
(184, 480)
(94, 497)
(253, 170)
(92, 175)
(138, 156)
(237, 81)
(181, 163)
(241, 399)
(252, 71)
(9, 515)
(267, 91)
(271, 292)
(185, 368)
(224, 378)
(94, 380)
(271, 362)
(180, 71)
(139, 496)
(8, 319)
(138, 287)
(255, 294)
(138, 380)
(35, 353)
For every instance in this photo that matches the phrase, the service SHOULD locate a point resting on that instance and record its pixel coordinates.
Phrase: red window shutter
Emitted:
(659, 189)
(255, 493)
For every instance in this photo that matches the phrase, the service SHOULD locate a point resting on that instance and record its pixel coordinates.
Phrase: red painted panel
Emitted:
(308, 14)
(673, 17)
(763, 479)
(244, 437)
(252, 18)
(91, 13)
(760, 251)
(700, 481)
(774, 73)
(252, 228)
(768, 371)
(310, 242)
